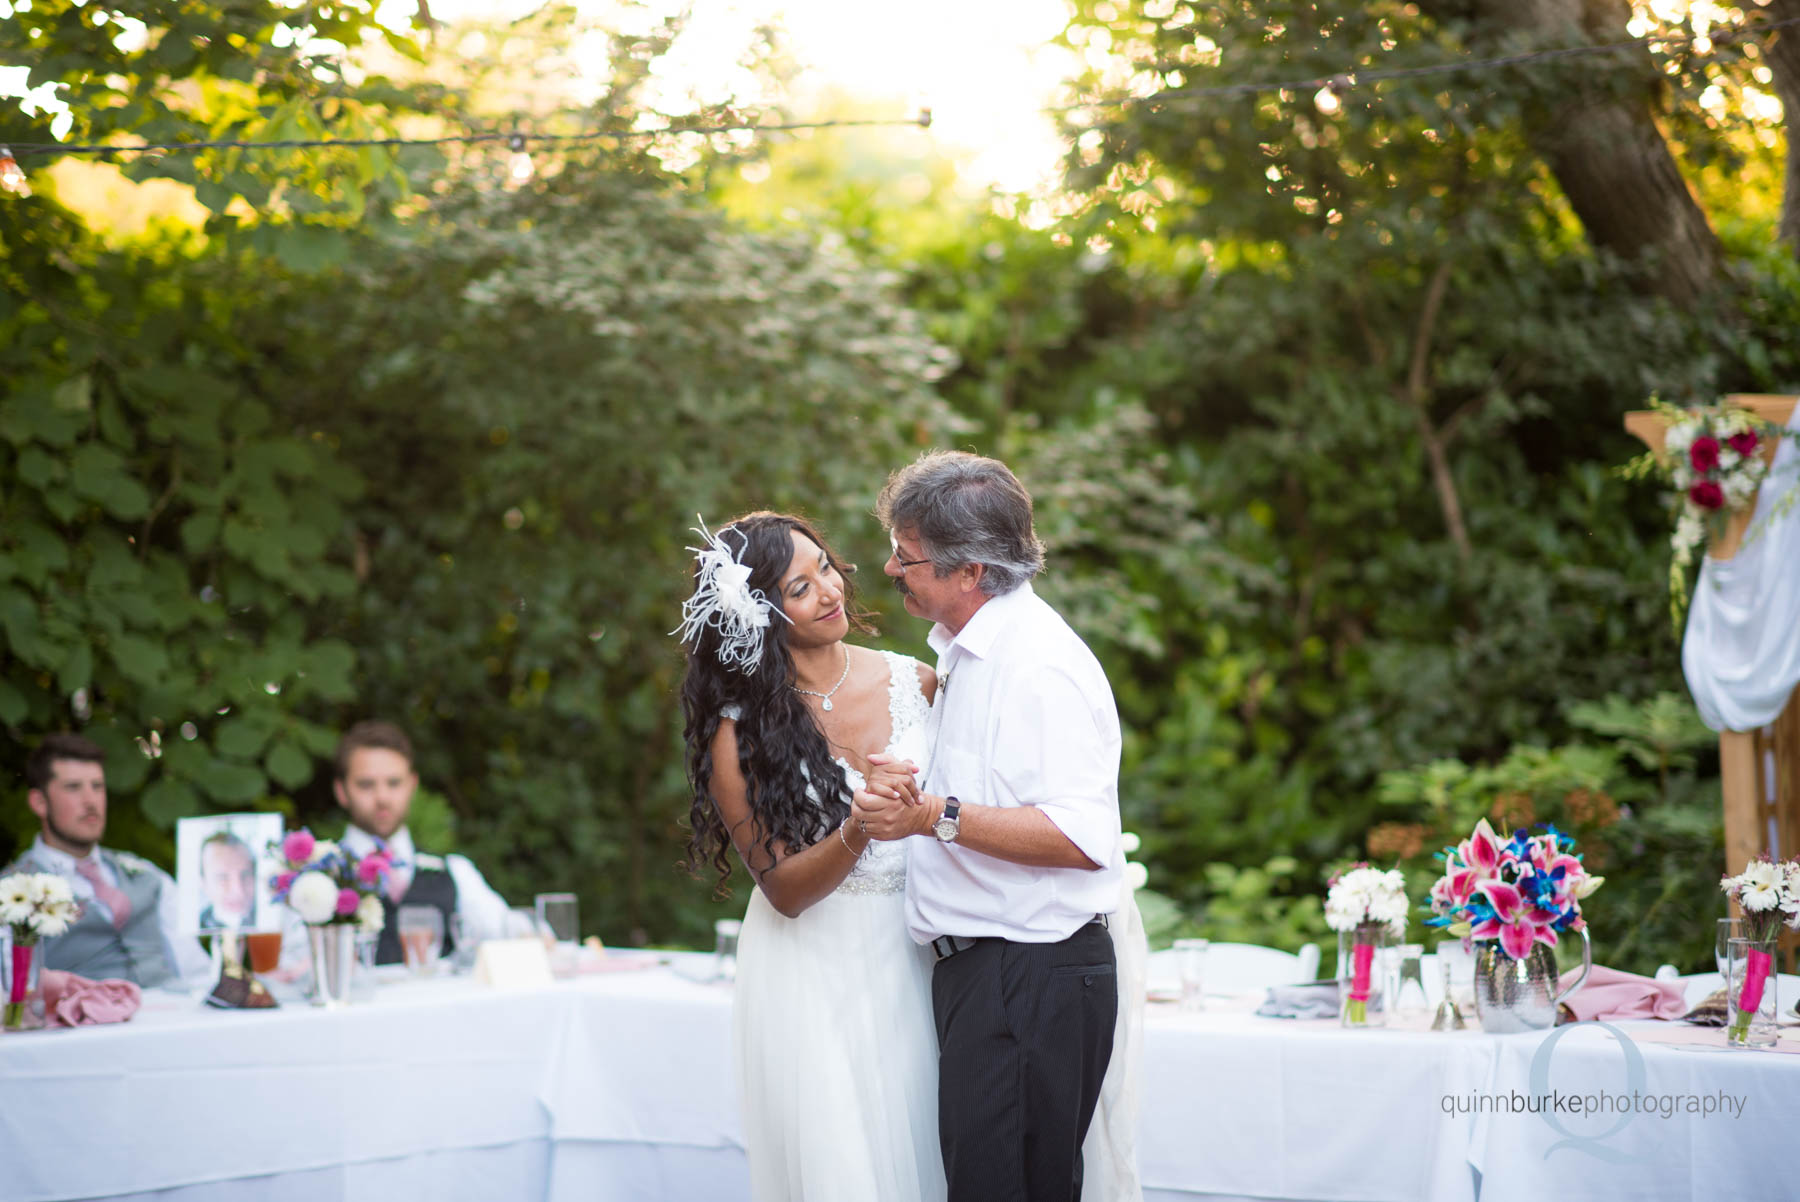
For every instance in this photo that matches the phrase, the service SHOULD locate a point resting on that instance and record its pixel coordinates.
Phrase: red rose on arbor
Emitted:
(1704, 455)
(1744, 443)
(1707, 494)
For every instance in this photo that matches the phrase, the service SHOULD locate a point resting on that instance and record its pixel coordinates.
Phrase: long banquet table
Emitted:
(617, 1086)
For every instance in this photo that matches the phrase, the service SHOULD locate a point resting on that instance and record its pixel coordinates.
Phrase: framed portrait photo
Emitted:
(223, 867)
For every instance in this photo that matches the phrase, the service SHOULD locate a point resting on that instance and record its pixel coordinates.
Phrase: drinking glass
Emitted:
(557, 912)
(1190, 962)
(263, 950)
(1727, 929)
(462, 945)
(1459, 974)
(1409, 981)
(725, 943)
(421, 937)
(526, 924)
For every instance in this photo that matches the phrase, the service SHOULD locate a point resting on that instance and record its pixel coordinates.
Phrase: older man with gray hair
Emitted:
(1017, 859)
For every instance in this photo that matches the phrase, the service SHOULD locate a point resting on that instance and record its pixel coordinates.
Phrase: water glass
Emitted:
(1409, 981)
(421, 937)
(556, 911)
(1727, 930)
(1459, 974)
(1190, 962)
(725, 944)
(362, 976)
(462, 945)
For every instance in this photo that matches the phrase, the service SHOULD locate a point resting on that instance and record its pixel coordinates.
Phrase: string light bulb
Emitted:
(12, 176)
(1329, 99)
(519, 168)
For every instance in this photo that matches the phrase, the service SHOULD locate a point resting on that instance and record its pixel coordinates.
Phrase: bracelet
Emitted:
(846, 839)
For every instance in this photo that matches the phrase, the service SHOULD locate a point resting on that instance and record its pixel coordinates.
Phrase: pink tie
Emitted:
(113, 899)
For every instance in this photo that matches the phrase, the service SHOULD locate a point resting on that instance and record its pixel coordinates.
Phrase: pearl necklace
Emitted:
(826, 696)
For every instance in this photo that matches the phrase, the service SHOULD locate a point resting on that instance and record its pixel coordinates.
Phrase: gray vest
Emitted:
(92, 948)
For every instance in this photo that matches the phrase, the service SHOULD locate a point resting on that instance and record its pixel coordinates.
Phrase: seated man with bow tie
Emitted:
(374, 782)
(129, 926)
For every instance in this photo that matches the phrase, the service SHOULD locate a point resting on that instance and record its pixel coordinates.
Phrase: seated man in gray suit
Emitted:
(128, 926)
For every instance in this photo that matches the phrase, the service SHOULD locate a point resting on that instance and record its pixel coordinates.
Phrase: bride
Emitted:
(833, 1035)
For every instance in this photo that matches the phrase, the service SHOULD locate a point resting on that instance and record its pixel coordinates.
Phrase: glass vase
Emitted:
(1750, 968)
(1361, 976)
(21, 1000)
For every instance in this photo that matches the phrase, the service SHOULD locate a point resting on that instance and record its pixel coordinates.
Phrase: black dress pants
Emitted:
(1024, 1031)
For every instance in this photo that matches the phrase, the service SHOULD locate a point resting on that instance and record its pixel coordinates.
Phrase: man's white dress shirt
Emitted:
(484, 913)
(192, 965)
(1023, 717)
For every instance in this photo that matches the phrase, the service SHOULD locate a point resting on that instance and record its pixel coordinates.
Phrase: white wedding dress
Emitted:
(835, 1042)
(833, 1034)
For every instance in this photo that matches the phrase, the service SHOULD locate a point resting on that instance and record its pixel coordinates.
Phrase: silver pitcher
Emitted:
(1521, 995)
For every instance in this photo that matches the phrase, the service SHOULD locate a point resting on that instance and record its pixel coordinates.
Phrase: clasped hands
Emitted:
(890, 805)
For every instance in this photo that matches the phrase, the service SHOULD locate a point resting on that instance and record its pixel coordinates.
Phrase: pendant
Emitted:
(827, 706)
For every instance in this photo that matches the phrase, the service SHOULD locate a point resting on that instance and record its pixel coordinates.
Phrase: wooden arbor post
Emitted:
(1760, 769)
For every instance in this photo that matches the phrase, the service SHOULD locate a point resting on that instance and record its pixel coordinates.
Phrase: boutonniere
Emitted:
(131, 865)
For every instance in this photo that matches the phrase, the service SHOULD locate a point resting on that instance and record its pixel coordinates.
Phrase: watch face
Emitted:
(945, 830)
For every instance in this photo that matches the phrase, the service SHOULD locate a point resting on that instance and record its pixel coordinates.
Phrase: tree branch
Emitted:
(1783, 55)
(1417, 394)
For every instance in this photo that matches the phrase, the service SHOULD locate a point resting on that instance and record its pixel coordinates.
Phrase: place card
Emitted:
(513, 964)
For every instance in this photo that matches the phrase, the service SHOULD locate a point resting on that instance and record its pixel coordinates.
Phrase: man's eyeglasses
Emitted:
(902, 561)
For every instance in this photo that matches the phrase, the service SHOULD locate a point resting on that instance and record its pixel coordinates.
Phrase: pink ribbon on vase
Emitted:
(1757, 966)
(1362, 958)
(21, 969)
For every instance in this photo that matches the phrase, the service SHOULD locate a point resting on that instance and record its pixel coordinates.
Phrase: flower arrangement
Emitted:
(1521, 891)
(326, 885)
(1364, 903)
(1768, 892)
(1713, 464)
(34, 905)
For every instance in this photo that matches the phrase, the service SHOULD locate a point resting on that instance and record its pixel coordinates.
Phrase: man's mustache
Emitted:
(900, 584)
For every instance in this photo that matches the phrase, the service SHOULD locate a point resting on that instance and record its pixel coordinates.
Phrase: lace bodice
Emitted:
(882, 868)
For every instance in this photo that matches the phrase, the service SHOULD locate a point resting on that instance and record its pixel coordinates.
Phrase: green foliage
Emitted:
(159, 529)
(1319, 412)
(543, 387)
(1640, 813)
(248, 70)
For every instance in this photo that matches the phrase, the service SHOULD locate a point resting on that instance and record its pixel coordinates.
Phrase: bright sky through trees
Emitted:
(985, 69)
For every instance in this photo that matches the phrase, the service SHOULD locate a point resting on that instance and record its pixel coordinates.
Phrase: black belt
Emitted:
(945, 946)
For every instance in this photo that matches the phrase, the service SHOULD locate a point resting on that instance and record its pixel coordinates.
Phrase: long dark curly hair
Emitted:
(780, 746)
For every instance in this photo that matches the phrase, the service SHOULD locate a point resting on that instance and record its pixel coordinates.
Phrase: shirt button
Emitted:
(1087, 980)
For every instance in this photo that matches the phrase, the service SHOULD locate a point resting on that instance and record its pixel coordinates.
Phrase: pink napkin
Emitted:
(1610, 993)
(72, 1001)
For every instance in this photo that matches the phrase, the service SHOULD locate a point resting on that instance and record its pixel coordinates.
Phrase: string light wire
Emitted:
(518, 141)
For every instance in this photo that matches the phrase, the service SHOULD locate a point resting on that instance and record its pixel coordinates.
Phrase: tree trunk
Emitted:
(1606, 150)
(1782, 51)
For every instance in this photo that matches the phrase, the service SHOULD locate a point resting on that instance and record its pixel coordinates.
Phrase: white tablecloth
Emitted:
(618, 1087)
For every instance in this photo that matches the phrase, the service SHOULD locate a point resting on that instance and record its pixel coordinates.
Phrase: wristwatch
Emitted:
(945, 828)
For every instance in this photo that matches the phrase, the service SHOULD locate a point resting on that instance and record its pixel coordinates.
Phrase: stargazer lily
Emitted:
(1516, 924)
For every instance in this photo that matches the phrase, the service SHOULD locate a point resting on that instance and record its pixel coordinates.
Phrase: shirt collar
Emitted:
(359, 843)
(57, 860)
(979, 633)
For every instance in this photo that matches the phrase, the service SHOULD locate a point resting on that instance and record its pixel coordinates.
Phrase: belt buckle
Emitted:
(945, 946)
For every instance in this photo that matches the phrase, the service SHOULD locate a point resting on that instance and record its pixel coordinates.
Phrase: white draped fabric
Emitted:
(617, 1088)
(1741, 653)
